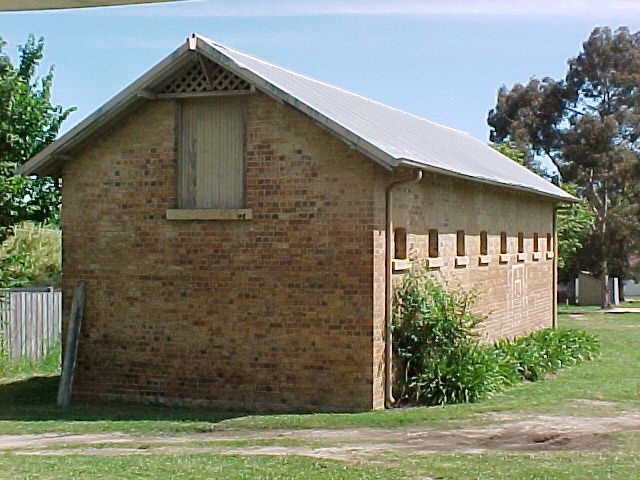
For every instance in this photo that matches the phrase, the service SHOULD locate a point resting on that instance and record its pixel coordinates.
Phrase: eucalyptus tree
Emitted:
(588, 126)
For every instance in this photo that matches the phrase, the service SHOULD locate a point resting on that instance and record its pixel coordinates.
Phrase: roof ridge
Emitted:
(220, 46)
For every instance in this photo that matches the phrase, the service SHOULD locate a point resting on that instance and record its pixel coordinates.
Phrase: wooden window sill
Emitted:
(484, 259)
(435, 262)
(400, 265)
(209, 214)
(462, 261)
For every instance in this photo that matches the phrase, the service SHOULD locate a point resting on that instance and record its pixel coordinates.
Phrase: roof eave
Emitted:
(566, 198)
(48, 160)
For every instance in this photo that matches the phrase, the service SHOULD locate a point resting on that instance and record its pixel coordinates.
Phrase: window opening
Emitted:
(520, 242)
(211, 153)
(433, 243)
(460, 244)
(484, 244)
(400, 242)
(503, 242)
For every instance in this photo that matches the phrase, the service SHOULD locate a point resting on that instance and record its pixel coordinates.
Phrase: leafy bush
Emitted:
(547, 351)
(31, 257)
(440, 357)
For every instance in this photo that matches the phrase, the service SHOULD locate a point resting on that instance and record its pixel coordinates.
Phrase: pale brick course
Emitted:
(517, 296)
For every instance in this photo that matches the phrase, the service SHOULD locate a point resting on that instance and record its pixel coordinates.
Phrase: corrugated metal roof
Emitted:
(404, 137)
(387, 135)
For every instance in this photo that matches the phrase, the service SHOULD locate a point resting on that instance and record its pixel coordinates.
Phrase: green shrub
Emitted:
(31, 257)
(547, 351)
(439, 356)
(440, 359)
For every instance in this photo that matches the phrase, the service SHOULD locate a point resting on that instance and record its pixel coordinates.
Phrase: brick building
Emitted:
(228, 219)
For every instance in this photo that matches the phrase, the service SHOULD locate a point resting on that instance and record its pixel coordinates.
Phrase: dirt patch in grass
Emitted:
(503, 433)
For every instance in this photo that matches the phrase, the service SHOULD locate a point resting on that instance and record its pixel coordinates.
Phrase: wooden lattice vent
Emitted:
(205, 76)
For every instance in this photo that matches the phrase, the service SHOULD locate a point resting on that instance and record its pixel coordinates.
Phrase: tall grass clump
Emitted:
(547, 350)
(49, 364)
(31, 256)
(439, 356)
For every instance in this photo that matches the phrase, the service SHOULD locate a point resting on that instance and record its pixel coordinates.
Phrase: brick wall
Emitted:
(273, 313)
(284, 312)
(516, 295)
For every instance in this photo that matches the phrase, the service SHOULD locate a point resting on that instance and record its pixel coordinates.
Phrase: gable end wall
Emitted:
(269, 314)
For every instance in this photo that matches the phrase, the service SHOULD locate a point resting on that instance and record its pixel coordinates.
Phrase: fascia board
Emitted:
(567, 198)
(45, 162)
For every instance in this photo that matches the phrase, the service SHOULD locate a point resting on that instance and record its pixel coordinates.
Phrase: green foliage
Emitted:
(547, 351)
(574, 224)
(519, 155)
(31, 257)
(48, 365)
(435, 338)
(442, 360)
(28, 122)
(587, 125)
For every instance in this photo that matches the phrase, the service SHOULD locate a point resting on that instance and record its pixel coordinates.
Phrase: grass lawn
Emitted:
(567, 309)
(229, 467)
(605, 387)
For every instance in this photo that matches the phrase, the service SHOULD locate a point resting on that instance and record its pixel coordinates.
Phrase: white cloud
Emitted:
(490, 8)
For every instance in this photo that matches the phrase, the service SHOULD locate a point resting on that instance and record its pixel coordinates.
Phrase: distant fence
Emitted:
(30, 322)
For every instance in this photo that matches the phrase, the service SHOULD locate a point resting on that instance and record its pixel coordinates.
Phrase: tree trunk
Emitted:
(605, 291)
(605, 302)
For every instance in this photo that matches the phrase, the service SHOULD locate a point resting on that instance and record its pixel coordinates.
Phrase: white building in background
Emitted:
(631, 288)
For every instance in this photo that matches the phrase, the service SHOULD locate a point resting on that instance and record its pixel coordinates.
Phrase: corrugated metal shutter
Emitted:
(211, 152)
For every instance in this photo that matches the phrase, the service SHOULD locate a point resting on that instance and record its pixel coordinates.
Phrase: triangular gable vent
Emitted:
(204, 76)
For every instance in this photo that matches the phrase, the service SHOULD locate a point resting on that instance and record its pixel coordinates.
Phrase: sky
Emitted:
(440, 59)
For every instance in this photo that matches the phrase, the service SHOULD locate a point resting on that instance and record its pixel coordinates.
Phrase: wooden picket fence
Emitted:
(30, 322)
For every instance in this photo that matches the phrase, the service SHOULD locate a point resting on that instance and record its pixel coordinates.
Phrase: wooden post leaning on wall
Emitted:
(71, 347)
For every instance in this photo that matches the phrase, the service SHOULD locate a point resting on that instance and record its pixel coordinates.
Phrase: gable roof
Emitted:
(387, 135)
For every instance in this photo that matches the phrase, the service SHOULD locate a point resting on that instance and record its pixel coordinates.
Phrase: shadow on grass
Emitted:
(34, 399)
